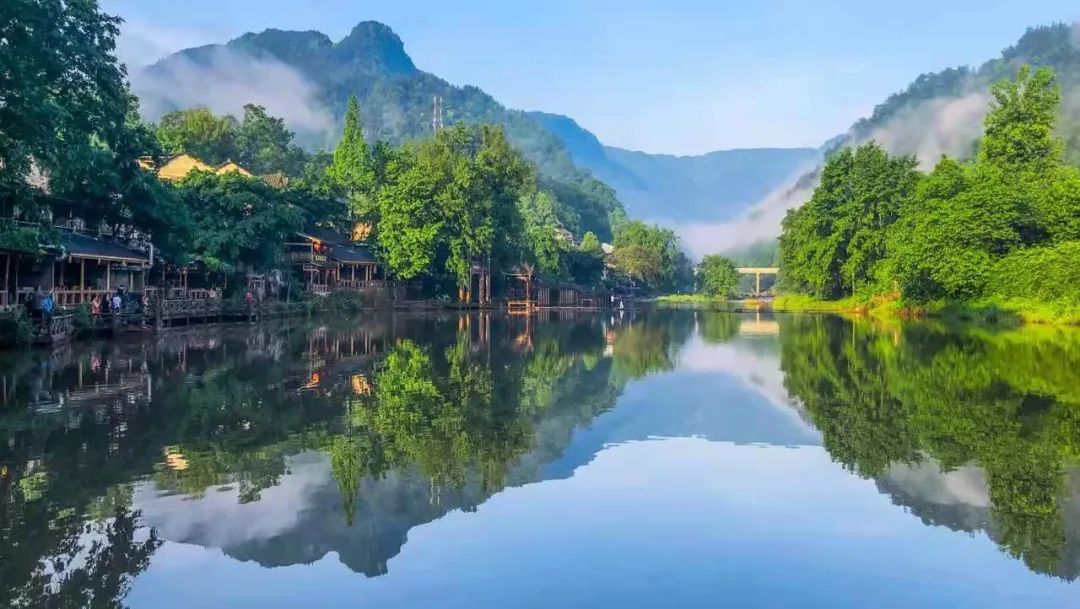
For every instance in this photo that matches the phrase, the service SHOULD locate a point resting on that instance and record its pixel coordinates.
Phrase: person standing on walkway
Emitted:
(48, 304)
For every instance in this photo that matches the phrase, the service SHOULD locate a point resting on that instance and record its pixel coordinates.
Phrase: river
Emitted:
(659, 458)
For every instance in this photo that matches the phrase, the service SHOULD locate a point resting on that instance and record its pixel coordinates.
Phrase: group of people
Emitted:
(115, 303)
(41, 304)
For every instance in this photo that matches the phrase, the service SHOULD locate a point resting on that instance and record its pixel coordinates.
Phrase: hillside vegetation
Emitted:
(1001, 228)
(372, 65)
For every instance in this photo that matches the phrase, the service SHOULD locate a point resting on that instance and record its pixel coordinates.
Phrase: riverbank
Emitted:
(74, 323)
(986, 310)
(701, 301)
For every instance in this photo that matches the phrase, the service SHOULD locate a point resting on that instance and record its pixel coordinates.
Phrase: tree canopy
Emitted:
(653, 256)
(716, 276)
(876, 225)
(259, 142)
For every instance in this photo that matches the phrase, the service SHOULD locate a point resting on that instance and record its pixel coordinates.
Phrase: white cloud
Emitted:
(935, 127)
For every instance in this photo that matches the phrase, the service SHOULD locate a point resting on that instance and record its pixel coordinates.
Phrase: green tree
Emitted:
(590, 245)
(834, 245)
(352, 171)
(1019, 128)
(652, 255)
(967, 217)
(542, 246)
(449, 200)
(264, 145)
(63, 94)
(639, 263)
(198, 132)
(716, 276)
(240, 222)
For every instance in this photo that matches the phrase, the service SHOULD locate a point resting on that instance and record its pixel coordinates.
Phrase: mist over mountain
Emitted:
(938, 113)
(307, 79)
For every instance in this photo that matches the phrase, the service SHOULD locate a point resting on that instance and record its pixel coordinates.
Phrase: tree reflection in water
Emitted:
(1007, 402)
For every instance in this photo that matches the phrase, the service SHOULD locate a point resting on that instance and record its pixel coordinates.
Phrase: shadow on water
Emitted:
(282, 443)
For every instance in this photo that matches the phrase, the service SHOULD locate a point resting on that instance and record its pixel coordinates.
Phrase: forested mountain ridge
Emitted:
(940, 113)
(709, 187)
(1056, 46)
(396, 99)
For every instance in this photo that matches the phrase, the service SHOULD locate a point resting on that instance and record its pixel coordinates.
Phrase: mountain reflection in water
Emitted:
(279, 445)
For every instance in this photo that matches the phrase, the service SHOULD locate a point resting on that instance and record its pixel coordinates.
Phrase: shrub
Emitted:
(1048, 274)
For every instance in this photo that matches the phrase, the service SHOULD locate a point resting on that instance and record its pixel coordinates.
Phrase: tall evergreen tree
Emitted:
(352, 170)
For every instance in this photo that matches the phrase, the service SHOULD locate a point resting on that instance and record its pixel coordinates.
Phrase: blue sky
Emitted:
(674, 77)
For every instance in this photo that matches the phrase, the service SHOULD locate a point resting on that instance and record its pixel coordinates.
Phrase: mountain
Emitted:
(681, 189)
(307, 79)
(942, 112)
(938, 113)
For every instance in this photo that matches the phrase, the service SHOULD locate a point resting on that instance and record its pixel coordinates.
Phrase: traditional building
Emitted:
(75, 268)
(178, 166)
(329, 260)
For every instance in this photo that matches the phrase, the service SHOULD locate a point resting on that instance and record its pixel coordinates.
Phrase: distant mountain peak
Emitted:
(372, 42)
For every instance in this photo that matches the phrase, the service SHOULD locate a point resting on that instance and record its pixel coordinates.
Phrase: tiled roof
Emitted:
(341, 248)
(84, 246)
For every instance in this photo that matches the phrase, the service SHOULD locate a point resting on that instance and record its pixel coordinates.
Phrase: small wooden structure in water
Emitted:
(530, 294)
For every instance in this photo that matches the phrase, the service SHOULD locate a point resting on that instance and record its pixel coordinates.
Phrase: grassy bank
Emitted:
(690, 299)
(800, 303)
(701, 301)
(986, 310)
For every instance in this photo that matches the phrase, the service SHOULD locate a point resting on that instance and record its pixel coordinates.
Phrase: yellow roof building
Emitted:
(231, 166)
(178, 166)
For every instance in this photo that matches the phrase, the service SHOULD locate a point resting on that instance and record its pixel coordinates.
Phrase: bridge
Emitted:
(757, 272)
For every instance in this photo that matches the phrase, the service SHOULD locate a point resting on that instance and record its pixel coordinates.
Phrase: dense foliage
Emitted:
(259, 142)
(69, 128)
(716, 276)
(71, 145)
(465, 196)
(876, 225)
(653, 257)
(239, 222)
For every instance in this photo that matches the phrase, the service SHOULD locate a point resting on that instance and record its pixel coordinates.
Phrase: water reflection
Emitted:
(918, 401)
(282, 444)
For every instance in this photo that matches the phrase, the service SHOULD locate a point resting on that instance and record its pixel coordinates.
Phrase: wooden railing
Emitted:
(74, 298)
(359, 284)
(53, 328)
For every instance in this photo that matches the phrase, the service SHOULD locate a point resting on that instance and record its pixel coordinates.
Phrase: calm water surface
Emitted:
(669, 458)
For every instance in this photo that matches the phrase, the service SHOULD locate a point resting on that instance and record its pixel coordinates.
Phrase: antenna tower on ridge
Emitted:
(437, 114)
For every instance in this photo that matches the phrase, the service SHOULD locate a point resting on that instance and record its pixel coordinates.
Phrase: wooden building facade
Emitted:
(328, 261)
(75, 269)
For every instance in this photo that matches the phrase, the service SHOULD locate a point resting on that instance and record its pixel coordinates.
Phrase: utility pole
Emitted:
(437, 114)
